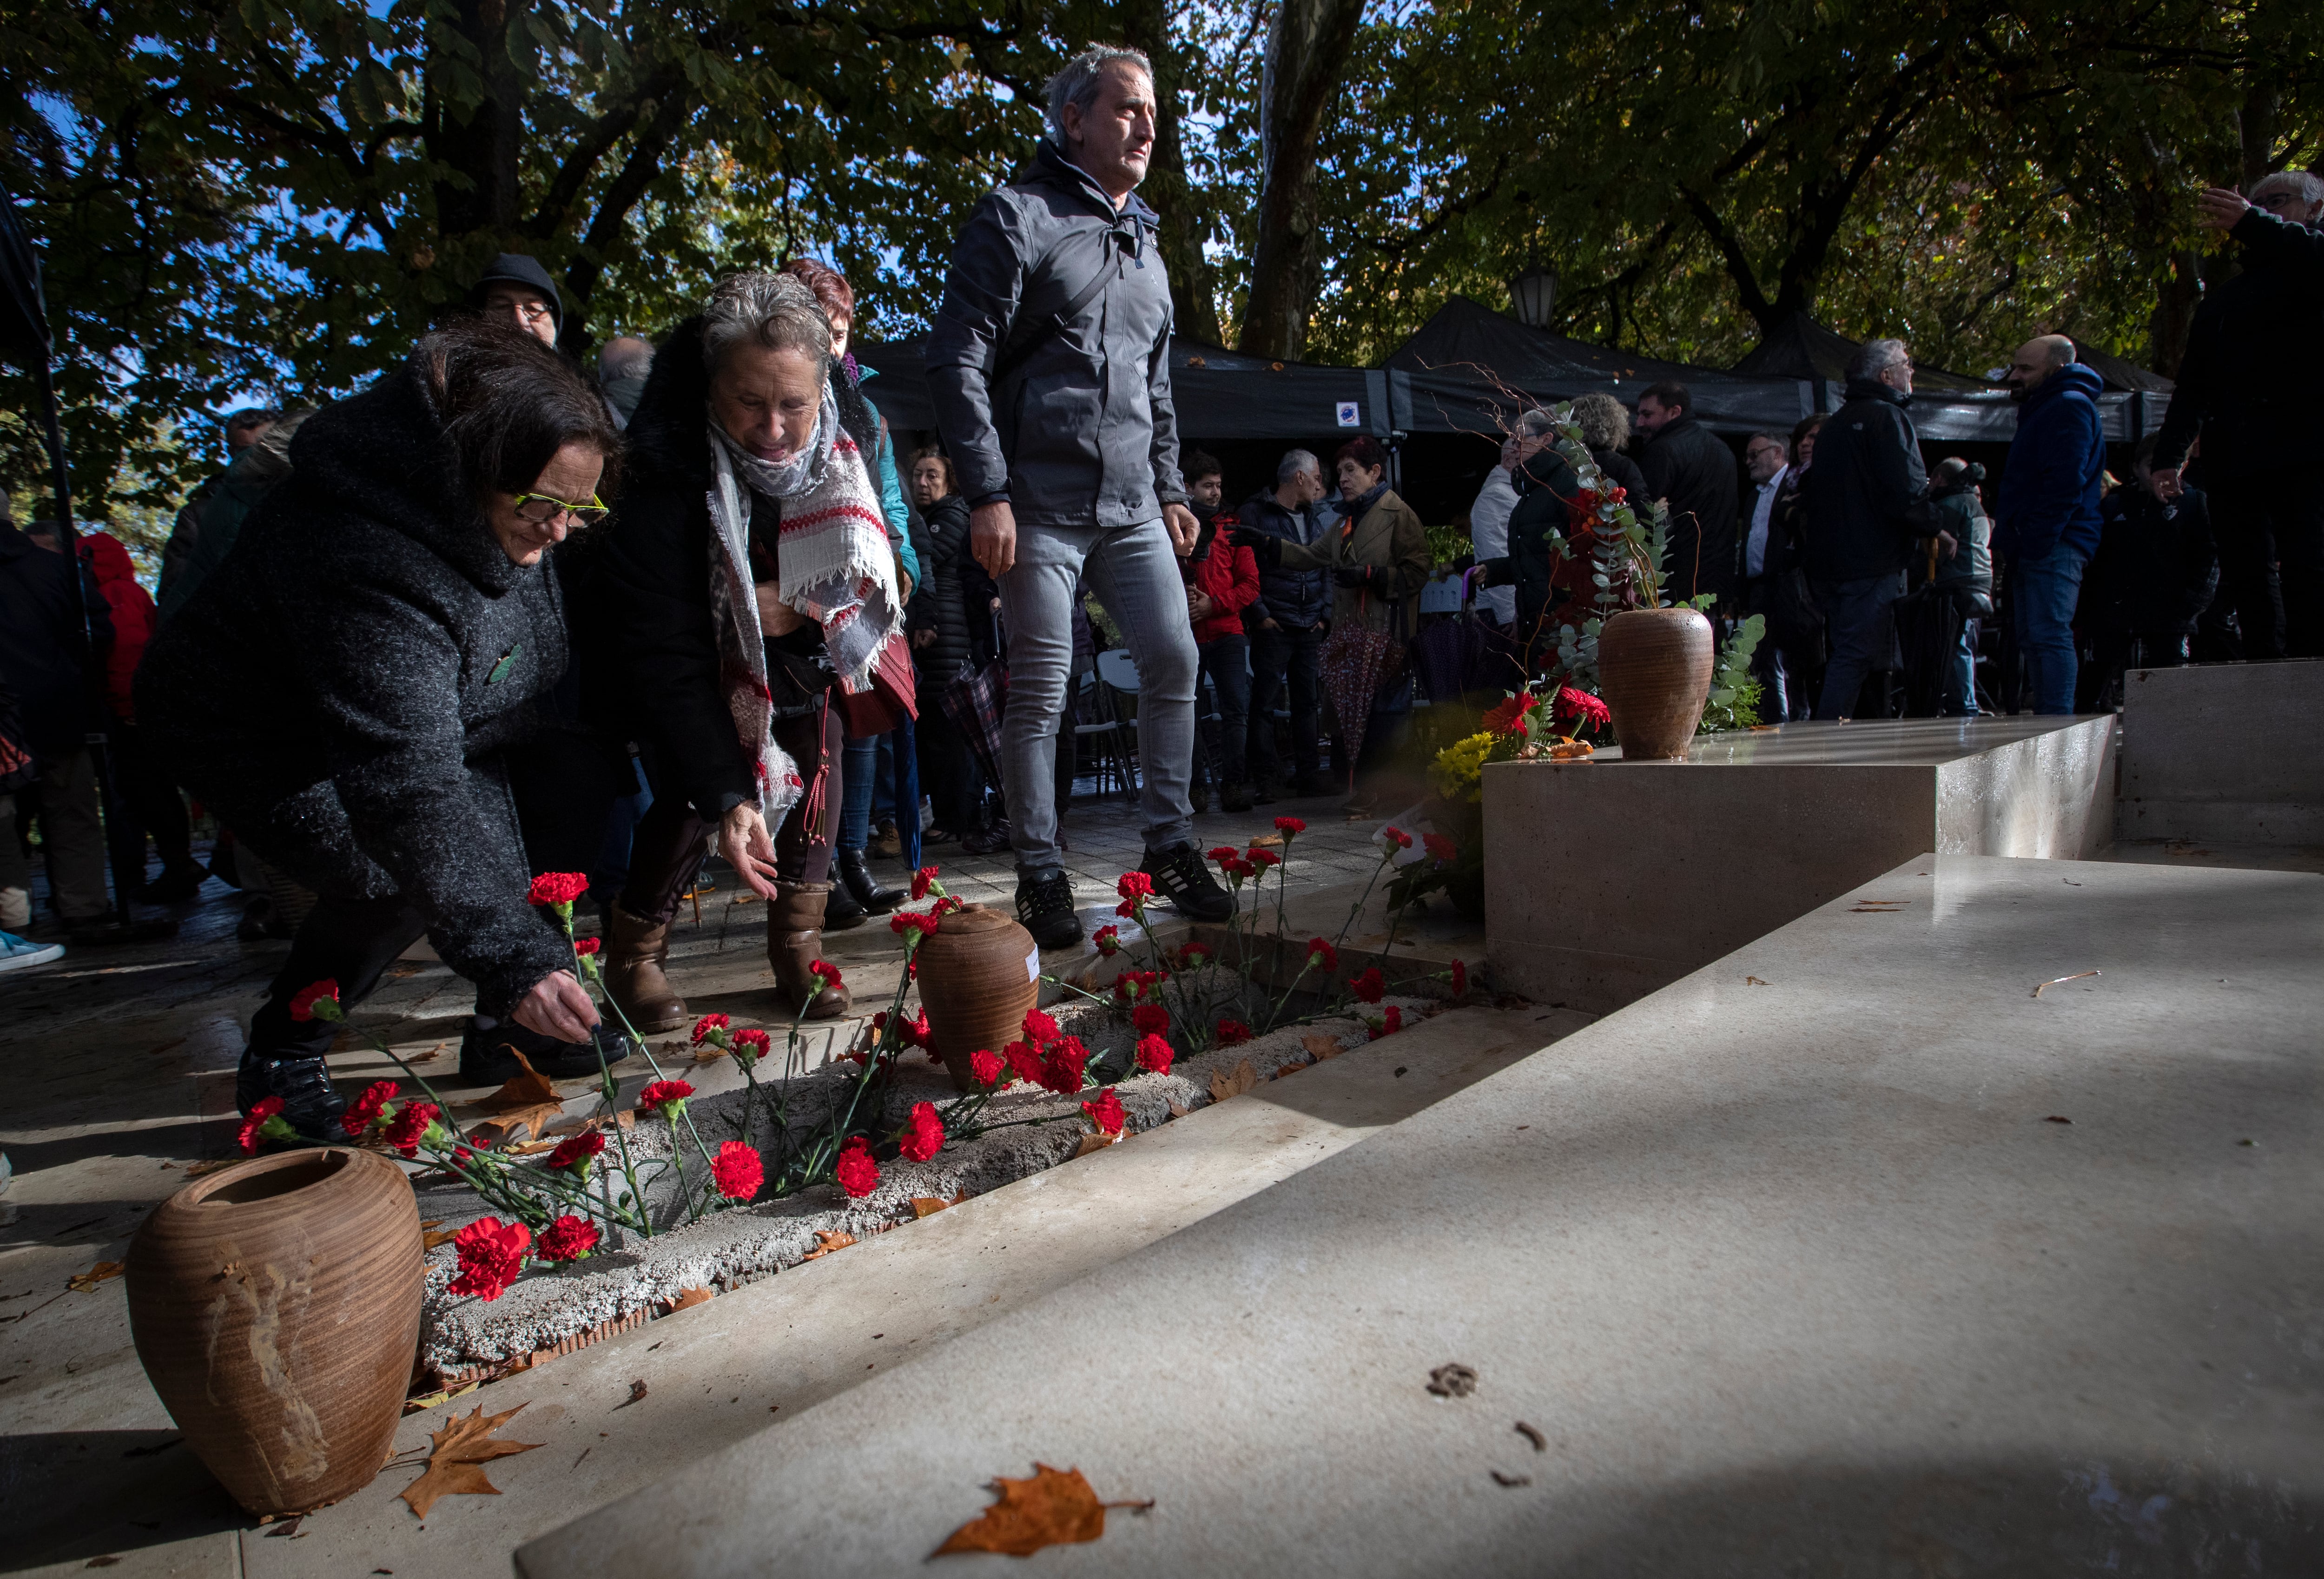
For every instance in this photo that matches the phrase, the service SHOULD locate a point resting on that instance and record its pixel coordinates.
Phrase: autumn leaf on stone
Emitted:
(687, 1298)
(526, 1090)
(1095, 1142)
(825, 1241)
(531, 1119)
(1323, 1047)
(455, 1467)
(1054, 1508)
(86, 1282)
(1225, 1085)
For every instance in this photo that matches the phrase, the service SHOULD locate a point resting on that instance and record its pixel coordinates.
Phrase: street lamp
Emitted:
(1534, 295)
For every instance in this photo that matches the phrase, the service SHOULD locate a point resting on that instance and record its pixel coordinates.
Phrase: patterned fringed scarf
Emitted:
(836, 568)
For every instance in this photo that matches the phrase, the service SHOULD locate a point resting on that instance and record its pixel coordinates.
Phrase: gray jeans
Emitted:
(1134, 572)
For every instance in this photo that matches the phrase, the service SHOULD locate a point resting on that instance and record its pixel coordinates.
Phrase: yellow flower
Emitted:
(1459, 768)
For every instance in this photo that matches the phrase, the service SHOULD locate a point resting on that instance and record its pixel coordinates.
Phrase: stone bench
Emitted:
(2224, 753)
(1606, 880)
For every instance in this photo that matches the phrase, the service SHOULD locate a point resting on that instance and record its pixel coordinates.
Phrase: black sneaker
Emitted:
(1046, 906)
(310, 1105)
(1183, 877)
(485, 1058)
(1235, 797)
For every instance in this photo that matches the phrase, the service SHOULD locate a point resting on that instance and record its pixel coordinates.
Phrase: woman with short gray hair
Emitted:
(750, 587)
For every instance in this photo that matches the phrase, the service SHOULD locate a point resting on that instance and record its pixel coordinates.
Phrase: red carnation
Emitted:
(569, 1239)
(1322, 956)
(1062, 1070)
(1232, 1033)
(737, 1171)
(410, 1127)
(1105, 1113)
(1235, 866)
(753, 1041)
(826, 970)
(1390, 1021)
(492, 1253)
(580, 945)
(709, 1023)
(1396, 837)
(1460, 978)
(1040, 1030)
(1223, 853)
(1154, 1054)
(556, 888)
(1263, 859)
(984, 1068)
(1150, 1018)
(367, 1109)
(304, 1001)
(1192, 954)
(1505, 716)
(922, 881)
(946, 905)
(1135, 889)
(1024, 1062)
(924, 1134)
(1289, 826)
(858, 1174)
(1441, 848)
(261, 1117)
(1107, 940)
(911, 926)
(663, 1094)
(1370, 986)
(915, 1032)
(576, 1151)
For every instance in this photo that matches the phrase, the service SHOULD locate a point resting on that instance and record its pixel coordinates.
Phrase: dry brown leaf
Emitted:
(196, 1169)
(1286, 1071)
(86, 1282)
(455, 1467)
(707, 1053)
(526, 1090)
(826, 1243)
(1323, 1047)
(627, 1119)
(531, 1119)
(530, 1147)
(1225, 1085)
(744, 898)
(1267, 842)
(638, 1390)
(1180, 1110)
(928, 1206)
(1097, 1140)
(1054, 1508)
(2054, 981)
(430, 1052)
(429, 1238)
(1753, 982)
(687, 1298)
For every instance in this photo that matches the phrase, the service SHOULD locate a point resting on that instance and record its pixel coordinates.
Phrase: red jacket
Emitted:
(133, 615)
(1231, 575)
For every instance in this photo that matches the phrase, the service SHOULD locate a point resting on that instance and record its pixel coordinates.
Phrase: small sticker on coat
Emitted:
(1033, 965)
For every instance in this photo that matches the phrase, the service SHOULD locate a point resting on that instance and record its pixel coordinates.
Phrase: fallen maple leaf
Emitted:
(1097, 1141)
(86, 1282)
(456, 1465)
(1180, 1110)
(429, 1238)
(1323, 1047)
(826, 1243)
(1267, 842)
(526, 1090)
(928, 1206)
(1225, 1085)
(531, 1118)
(431, 1052)
(687, 1298)
(1054, 1508)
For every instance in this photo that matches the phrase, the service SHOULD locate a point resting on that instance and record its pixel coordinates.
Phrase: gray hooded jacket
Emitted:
(1081, 430)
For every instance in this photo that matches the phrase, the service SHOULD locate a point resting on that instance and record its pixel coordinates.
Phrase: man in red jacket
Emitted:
(1222, 581)
(149, 801)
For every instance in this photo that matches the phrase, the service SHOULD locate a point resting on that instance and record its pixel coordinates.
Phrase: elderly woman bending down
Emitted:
(749, 580)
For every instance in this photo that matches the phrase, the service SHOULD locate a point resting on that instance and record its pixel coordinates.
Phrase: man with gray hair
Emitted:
(1288, 624)
(2247, 387)
(1049, 368)
(1867, 475)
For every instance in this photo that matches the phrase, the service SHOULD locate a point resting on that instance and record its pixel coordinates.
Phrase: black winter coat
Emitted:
(1691, 468)
(1545, 485)
(2249, 382)
(2156, 565)
(1867, 478)
(43, 649)
(341, 688)
(941, 602)
(1083, 429)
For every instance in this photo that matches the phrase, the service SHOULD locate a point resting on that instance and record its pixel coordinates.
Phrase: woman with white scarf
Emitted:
(749, 586)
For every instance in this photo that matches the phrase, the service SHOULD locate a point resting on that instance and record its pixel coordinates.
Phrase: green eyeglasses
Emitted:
(541, 509)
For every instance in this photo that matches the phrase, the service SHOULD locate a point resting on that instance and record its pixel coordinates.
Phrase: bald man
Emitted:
(2046, 518)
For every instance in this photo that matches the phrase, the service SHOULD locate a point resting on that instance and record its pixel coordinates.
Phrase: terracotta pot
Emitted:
(980, 973)
(276, 1308)
(1654, 669)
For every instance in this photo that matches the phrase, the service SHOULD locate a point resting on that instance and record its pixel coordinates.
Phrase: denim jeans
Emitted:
(860, 773)
(1134, 572)
(2043, 595)
(1960, 693)
(1227, 661)
(1857, 617)
(1279, 657)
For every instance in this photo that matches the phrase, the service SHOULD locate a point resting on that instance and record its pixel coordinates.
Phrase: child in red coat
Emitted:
(1222, 581)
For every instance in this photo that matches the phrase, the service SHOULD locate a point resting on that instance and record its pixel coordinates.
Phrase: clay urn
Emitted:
(276, 1307)
(1654, 670)
(980, 974)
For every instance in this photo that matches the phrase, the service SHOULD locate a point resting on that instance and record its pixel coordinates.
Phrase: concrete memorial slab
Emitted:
(2224, 753)
(1967, 1224)
(1607, 879)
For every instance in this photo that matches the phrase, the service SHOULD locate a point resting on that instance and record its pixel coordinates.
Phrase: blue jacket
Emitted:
(891, 492)
(2050, 489)
(1295, 597)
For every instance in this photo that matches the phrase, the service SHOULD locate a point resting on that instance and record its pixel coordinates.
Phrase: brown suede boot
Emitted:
(795, 942)
(634, 957)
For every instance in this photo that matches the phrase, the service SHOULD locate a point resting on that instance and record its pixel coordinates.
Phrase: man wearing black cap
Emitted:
(517, 289)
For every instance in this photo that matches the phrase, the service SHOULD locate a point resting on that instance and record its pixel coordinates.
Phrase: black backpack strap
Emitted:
(1022, 345)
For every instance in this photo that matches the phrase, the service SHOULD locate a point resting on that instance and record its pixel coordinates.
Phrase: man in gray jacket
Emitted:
(1049, 368)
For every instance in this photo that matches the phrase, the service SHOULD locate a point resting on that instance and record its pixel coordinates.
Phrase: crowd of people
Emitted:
(494, 616)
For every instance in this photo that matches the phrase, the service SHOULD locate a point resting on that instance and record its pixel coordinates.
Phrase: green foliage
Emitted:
(1734, 699)
(1448, 543)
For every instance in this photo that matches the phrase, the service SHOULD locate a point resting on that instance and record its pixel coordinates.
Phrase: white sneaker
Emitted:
(16, 951)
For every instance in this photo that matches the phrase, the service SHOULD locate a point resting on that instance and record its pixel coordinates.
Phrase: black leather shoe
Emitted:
(1183, 877)
(1046, 906)
(842, 911)
(311, 1105)
(485, 1058)
(856, 880)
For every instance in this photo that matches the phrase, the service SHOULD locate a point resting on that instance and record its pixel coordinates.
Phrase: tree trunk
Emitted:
(477, 143)
(1306, 51)
(2174, 312)
(1193, 284)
